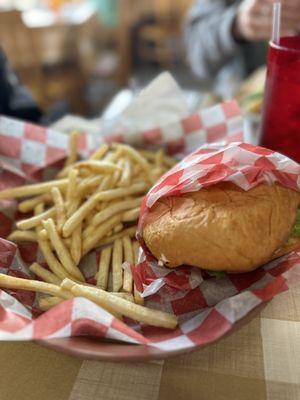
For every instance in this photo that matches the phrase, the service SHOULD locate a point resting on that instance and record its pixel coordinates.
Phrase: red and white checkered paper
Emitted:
(206, 312)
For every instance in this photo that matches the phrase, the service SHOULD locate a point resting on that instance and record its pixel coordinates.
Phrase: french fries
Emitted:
(100, 153)
(138, 299)
(22, 236)
(135, 156)
(53, 263)
(75, 248)
(126, 176)
(39, 209)
(10, 282)
(34, 189)
(91, 242)
(45, 303)
(98, 166)
(110, 239)
(103, 271)
(131, 215)
(44, 274)
(91, 204)
(121, 306)
(128, 257)
(115, 208)
(36, 220)
(59, 206)
(73, 144)
(61, 250)
(117, 271)
(71, 189)
(29, 205)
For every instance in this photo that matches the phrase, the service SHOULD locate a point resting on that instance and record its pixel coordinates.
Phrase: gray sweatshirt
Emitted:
(214, 55)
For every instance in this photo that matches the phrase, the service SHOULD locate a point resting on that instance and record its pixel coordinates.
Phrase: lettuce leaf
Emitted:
(296, 229)
(217, 274)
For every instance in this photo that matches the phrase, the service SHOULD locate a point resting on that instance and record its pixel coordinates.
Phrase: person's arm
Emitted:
(15, 100)
(209, 38)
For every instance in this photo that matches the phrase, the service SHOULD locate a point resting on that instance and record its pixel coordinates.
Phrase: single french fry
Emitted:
(71, 189)
(90, 216)
(75, 248)
(42, 234)
(33, 189)
(29, 204)
(121, 306)
(131, 215)
(32, 222)
(102, 167)
(9, 282)
(106, 182)
(88, 184)
(73, 206)
(103, 270)
(60, 212)
(73, 145)
(131, 232)
(137, 171)
(100, 153)
(136, 249)
(116, 176)
(118, 228)
(115, 208)
(44, 274)
(45, 303)
(117, 260)
(128, 256)
(39, 209)
(68, 242)
(159, 158)
(125, 296)
(113, 156)
(22, 236)
(89, 231)
(91, 242)
(53, 263)
(138, 299)
(126, 175)
(62, 251)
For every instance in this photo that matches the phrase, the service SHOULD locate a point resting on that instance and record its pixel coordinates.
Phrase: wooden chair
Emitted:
(167, 14)
(47, 83)
(157, 39)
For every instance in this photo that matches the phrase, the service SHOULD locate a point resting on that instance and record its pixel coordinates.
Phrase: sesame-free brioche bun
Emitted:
(222, 227)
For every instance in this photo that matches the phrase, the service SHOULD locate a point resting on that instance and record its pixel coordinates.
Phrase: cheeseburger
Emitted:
(223, 227)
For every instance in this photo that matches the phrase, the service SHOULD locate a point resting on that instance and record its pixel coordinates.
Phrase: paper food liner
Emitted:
(206, 311)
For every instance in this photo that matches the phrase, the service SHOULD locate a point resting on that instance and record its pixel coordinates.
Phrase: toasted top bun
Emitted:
(222, 227)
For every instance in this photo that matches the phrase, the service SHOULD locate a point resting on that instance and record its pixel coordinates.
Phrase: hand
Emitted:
(254, 19)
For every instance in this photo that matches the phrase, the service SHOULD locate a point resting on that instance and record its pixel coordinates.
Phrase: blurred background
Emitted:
(79, 54)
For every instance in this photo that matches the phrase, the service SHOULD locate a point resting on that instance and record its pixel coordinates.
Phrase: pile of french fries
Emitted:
(89, 205)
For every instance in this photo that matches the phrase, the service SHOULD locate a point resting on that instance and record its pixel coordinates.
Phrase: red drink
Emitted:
(280, 129)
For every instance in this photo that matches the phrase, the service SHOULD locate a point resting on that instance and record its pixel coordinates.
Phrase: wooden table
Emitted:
(261, 361)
